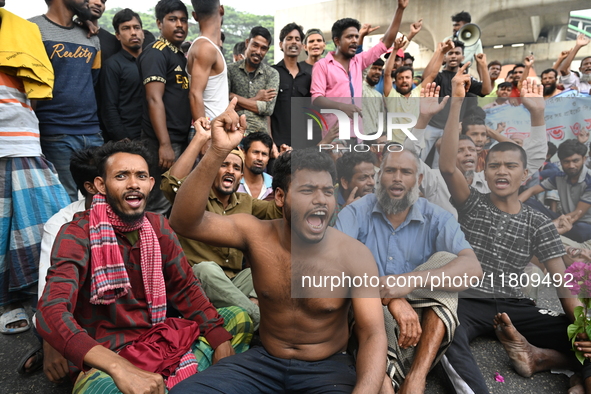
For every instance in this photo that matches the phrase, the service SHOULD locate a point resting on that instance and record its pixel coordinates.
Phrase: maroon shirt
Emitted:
(72, 325)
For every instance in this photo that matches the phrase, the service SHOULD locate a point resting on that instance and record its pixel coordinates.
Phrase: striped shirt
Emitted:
(76, 61)
(505, 243)
(19, 127)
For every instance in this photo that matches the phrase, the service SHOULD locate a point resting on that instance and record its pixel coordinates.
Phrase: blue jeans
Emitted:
(58, 149)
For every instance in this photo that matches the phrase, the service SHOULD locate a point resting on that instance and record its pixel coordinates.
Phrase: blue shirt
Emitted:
(427, 229)
(265, 191)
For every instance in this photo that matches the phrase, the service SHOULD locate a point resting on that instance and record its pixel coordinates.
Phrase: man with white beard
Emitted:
(405, 234)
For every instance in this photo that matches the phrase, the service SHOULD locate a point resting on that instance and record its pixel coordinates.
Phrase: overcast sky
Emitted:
(29, 8)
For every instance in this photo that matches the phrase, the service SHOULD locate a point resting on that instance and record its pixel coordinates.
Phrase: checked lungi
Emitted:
(443, 303)
(30, 194)
(236, 322)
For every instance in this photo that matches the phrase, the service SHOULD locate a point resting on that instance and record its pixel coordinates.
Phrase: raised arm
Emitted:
(456, 183)
(188, 217)
(436, 60)
(482, 69)
(558, 63)
(582, 40)
(394, 27)
(536, 146)
(529, 63)
(399, 43)
(366, 29)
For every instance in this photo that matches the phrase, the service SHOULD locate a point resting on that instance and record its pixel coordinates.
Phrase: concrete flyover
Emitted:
(541, 25)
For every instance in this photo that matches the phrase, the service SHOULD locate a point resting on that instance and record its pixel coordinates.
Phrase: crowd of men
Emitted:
(156, 216)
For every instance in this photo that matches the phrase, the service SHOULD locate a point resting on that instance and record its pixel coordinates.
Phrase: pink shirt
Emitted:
(329, 78)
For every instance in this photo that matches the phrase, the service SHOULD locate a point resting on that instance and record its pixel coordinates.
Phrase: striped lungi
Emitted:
(443, 303)
(236, 322)
(30, 194)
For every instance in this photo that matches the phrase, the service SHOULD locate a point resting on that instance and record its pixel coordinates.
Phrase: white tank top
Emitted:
(216, 93)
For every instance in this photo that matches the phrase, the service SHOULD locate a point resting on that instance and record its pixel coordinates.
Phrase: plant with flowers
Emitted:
(581, 287)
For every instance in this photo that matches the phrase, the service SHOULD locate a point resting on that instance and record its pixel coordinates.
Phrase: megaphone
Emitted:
(469, 34)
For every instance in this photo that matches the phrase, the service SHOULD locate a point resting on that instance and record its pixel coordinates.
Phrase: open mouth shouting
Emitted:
(134, 199)
(397, 190)
(228, 181)
(317, 219)
(502, 183)
(469, 163)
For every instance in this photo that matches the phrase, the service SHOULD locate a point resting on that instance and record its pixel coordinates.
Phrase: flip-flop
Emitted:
(36, 352)
(14, 316)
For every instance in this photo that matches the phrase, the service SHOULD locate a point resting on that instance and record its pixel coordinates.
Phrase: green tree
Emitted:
(237, 25)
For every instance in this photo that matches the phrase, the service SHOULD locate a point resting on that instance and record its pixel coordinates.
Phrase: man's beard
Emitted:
(585, 78)
(371, 82)
(82, 12)
(548, 90)
(404, 92)
(125, 218)
(469, 175)
(225, 192)
(256, 170)
(392, 206)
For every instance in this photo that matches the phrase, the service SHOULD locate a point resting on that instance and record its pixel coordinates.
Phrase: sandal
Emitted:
(37, 364)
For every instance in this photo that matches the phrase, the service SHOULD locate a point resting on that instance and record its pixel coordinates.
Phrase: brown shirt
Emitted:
(229, 259)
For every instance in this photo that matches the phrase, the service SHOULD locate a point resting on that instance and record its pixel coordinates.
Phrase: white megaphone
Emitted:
(469, 34)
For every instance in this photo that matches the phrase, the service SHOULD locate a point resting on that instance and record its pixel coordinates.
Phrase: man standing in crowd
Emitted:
(568, 78)
(121, 85)
(549, 79)
(454, 59)
(69, 122)
(373, 101)
(314, 46)
(458, 21)
(101, 297)
(256, 182)
(27, 180)
(253, 82)
(206, 64)
(338, 78)
(494, 70)
(294, 81)
(109, 43)
(304, 339)
(166, 118)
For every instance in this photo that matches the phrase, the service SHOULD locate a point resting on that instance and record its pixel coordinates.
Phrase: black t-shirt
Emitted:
(281, 120)
(443, 79)
(164, 63)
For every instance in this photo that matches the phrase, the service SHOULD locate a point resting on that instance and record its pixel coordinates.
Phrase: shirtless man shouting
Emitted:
(304, 339)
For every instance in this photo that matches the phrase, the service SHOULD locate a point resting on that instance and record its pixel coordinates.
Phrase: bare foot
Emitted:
(576, 385)
(520, 351)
